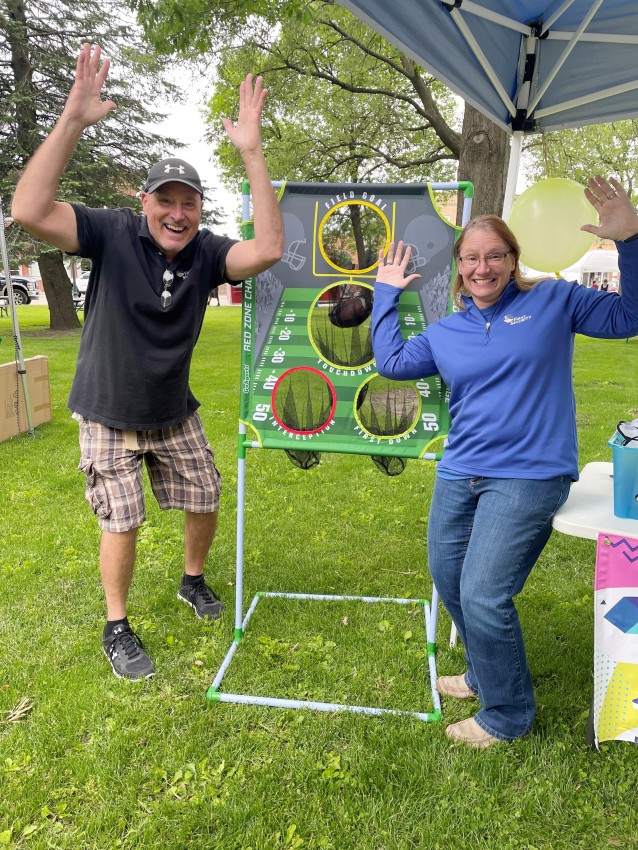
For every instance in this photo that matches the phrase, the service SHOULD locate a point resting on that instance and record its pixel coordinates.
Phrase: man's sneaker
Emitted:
(124, 650)
(201, 599)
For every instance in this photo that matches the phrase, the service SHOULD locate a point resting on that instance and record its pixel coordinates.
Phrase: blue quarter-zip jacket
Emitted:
(512, 402)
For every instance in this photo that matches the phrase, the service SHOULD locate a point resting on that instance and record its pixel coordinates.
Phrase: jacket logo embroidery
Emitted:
(515, 320)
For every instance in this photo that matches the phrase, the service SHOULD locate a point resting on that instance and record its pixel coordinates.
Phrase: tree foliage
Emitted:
(39, 44)
(318, 129)
(344, 104)
(580, 154)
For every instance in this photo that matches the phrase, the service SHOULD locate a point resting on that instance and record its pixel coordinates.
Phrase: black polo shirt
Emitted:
(134, 361)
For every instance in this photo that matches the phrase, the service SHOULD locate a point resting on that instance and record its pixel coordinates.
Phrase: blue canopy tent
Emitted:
(529, 65)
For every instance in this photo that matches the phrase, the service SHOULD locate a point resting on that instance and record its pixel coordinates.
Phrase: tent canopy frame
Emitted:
(526, 65)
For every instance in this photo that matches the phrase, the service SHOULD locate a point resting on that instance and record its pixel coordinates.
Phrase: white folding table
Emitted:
(588, 511)
(590, 506)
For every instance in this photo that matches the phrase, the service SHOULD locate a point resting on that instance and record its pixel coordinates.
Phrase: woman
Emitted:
(512, 452)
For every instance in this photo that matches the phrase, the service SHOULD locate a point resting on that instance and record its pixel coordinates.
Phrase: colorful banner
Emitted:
(616, 639)
(309, 381)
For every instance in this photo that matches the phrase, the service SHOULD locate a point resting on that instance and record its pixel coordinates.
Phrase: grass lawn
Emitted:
(99, 763)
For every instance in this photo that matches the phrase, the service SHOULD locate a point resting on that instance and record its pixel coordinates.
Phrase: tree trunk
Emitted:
(27, 136)
(58, 290)
(62, 315)
(357, 230)
(483, 161)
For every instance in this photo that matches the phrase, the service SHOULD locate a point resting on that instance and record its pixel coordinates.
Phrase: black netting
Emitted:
(307, 401)
(303, 459)
(387, 408)
(340, 327)
(389, 465)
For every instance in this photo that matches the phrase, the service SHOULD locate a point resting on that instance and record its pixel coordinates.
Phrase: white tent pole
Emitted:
(564, 56)
(590, 98)
(483, 61)
(594, 37)
(480, 12)
(16, 328)
(512, 173)
(550, 21)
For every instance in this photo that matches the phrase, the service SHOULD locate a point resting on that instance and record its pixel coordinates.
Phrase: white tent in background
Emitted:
(601, 263)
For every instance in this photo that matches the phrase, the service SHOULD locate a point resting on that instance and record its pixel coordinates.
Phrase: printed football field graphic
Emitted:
(309, 381)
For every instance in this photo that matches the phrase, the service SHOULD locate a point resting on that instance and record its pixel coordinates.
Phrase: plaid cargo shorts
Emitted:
(180, 464)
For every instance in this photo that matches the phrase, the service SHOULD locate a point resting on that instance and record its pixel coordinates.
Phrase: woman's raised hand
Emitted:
(392, 266)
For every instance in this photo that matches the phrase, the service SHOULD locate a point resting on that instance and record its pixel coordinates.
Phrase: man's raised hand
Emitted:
(245, 133)
(84, 105)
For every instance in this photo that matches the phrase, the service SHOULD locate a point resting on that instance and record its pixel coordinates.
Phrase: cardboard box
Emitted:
(11, 388)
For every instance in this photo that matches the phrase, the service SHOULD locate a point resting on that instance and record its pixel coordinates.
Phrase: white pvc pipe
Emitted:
(239, 564)
(319, 706)
(225, 664)
(334, 598)
(467, 214)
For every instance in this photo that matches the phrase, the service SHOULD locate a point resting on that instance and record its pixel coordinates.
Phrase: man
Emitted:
(150, 282)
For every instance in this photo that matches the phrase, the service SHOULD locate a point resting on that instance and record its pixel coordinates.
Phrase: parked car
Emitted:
(25, 289)
(81, 282)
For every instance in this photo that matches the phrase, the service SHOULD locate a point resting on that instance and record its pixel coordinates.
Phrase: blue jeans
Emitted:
(484, 537)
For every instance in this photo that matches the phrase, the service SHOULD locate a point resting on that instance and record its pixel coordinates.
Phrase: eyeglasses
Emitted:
(471, 261)
(167, 279)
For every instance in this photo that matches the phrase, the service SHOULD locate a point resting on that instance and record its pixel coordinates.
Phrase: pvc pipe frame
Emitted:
(247, 699)
(241, 622)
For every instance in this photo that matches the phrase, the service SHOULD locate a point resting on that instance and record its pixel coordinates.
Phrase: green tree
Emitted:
(318, 130)
(39, 44)
(345, 104)
(580, 154)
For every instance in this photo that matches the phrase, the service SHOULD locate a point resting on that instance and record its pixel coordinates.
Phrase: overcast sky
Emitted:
(186, 124)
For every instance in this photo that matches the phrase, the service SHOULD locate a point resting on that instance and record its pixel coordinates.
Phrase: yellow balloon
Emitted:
(546, 220)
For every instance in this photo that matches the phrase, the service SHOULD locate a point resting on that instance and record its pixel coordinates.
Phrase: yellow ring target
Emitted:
(330, 212)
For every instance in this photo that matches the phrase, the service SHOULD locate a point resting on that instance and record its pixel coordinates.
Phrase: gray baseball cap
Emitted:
(173, 171)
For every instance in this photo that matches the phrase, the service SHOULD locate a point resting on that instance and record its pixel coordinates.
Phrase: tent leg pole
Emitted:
(512, 174)
(22, 371)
